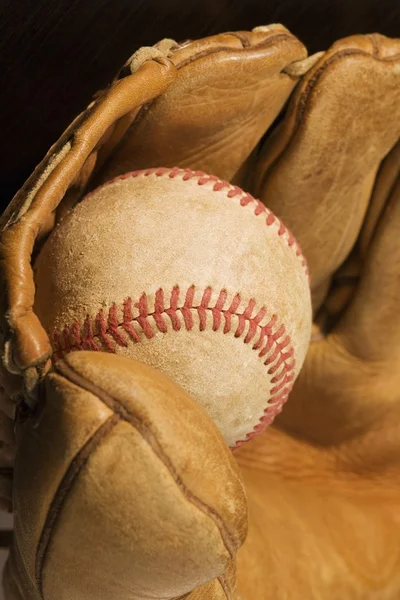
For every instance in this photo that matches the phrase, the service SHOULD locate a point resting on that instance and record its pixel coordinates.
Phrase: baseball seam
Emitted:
(219, 185)
(119, 327)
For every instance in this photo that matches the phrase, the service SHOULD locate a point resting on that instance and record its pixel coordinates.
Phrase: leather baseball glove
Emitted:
(164, 517)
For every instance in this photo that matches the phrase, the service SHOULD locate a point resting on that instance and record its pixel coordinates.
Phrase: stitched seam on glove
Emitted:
(76, 466)
(80, 460)
(225, 588)
(270, 41)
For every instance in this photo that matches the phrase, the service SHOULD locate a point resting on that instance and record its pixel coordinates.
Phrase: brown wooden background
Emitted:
(54, 54)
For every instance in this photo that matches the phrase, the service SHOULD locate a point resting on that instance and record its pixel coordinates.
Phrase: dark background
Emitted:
(54, 54)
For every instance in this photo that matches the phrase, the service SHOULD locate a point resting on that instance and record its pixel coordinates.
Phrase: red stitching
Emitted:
(233, 191)
(120, 327)
(279, 355)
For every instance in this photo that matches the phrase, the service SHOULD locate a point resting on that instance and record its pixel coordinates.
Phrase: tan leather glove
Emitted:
(121, 488)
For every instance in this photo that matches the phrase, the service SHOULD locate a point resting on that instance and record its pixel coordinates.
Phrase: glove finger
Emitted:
(317, 169)
(123, 478)
(370, 328)
(228, 90)
(385, 182)
(345, 281)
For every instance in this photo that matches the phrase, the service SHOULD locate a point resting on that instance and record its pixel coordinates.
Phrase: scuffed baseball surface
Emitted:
(191, 275)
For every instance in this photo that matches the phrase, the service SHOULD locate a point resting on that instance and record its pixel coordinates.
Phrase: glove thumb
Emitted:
(123, 488)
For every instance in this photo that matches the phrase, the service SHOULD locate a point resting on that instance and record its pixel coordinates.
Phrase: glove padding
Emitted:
(211, 105)
(121, 477)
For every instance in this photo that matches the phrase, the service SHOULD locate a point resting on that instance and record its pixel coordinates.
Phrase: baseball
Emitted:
(187, 273)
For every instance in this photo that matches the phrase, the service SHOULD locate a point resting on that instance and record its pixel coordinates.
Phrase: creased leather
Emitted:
(230, 89)
(125, 448)
(311, 140)
(346, 106)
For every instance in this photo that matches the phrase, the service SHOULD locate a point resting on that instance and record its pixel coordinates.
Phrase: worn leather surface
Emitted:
(322, 485)
(223, 127)
(133, 475)
(347, 106)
